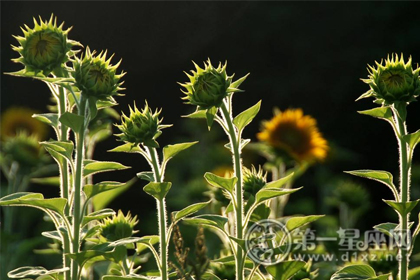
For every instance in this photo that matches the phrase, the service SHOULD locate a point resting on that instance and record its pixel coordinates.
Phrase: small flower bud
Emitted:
(96, 77)
(44, 47)
(209, 86)
(118, 227)
(394, 81)
(142, 127)
(253, 181)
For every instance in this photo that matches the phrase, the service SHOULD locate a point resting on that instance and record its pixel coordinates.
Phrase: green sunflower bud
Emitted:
(253, 181)
(142, 127)
(45, 47)
(209, 86)
(96, 77)
(118, 227)
(23, 149)
(394, 81)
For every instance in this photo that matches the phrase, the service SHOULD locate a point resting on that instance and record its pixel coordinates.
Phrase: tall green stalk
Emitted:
(162, 216)
(405, 167)
(234, 139)
(78, 180)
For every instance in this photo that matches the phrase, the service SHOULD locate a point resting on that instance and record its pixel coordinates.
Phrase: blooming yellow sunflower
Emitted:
(19, 119)
(296, 134)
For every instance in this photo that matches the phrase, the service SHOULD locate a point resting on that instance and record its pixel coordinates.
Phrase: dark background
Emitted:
(300, 54)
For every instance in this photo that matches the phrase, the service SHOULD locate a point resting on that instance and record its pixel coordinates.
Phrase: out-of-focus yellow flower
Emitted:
(19, 119)
(296, 134)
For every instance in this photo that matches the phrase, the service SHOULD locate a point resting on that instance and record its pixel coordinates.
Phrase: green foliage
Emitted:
(158, 190)
(285, 270)
(358, 272)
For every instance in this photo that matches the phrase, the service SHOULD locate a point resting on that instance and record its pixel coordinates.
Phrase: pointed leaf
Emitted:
(402, 207)
(53, 235)
(378, 175)
(384, 113)
(60, 148)
(26, 271)
(158, 190)
(210, 114)
(50, 181)
(146, 175)
(280, 182)
(94, 167)
(245, 118)
(244, 142)
(227, 184)
(92, 190)
(34, 200)
(75, 122)
(93, 110)
(170, 151)
(98, 215)
(127, 277)
(386, 228)
(239, 81)
(297, 222)
(126, 148)
(189, 210)
(50, 118)
(125, 241)
(210, 276)
(208, 220)
(102, 200)
(265, 194)
(356, 272)
(284, 270)
(412, 139)
(199, 114)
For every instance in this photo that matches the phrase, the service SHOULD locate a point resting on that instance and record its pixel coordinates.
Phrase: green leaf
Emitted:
(39, 76)
(265, 194)
(284, 270)
(414, 273)
(147, 242)
(245, 118)
(208, 220)
(386, 228)
(158, 190)
(53, 235)
(92, 190)
(240, 242)
(210, 276)
(101, 200)
(93, 110)
(26, 271)
(261, 212)
(146, 175)
(98, 215)
(198, 114)
(378, 175)
(49, 118)
(227, 184)
(125, 241)
(59, 148)
(189, 210)
(412, 139)
(239, 81)
(357, 272)
(210, 114)
(127, 148)
(297, 222)
(170, 151)
(243, 143)
(280, 182)
(50, 181)
(34, 200)
(75, 122)
(402, 207)
(384, 113)
(94, 167)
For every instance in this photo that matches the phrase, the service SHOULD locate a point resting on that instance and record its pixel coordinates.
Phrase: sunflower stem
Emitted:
(405, 167)
(162, 216)
(78, 181)
(237, 166)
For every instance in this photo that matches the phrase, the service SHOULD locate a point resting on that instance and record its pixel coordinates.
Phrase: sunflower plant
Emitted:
(211, 90)
(393, 83)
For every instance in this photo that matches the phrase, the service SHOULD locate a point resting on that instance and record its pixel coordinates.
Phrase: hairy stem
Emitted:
(405, 167)
(237, 166)
(78, 181)
(162, 216)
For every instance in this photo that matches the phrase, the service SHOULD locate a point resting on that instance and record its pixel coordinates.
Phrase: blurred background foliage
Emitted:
(307, 55)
